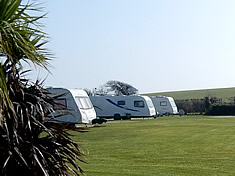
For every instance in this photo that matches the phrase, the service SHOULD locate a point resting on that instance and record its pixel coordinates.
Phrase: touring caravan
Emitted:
(164, 105)
(123, 107)
(75, 103)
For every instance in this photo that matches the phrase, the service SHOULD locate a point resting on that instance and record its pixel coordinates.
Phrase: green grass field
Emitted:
(224, 93)
(167, 146)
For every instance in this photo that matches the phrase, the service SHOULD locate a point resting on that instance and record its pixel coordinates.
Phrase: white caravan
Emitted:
(123, 107)
(75, 103)
(164, 105)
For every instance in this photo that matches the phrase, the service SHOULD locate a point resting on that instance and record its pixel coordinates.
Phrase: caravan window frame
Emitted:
(83, 102)
(62, 104)
(138, 105)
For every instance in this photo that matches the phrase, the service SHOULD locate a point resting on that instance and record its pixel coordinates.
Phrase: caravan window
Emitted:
(121, 103)
(61, 104)
(139, 104)
(83, 102)
(163, 103)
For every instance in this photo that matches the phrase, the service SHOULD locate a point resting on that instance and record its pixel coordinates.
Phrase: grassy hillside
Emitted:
(224, 93)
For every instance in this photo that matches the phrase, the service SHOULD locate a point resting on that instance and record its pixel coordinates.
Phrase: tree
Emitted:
(102, 90)
(27, 146)
(121, 88)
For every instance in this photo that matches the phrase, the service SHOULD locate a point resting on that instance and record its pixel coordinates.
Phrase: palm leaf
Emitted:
(25, 106)
(16, 33)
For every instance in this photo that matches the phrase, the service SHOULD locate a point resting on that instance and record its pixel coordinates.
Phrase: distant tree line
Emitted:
(191, 106)
(222, 109)
(207, 105)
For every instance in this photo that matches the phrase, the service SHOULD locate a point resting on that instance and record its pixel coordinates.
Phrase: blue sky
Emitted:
(154, 45)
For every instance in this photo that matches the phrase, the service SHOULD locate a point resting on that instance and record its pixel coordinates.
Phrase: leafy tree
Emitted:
(27, 146)
(102, 90)
(121, 88)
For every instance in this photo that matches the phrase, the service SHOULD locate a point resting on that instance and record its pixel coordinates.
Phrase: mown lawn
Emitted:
(190, 145)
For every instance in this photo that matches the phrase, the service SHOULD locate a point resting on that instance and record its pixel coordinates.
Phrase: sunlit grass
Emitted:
(192, 145)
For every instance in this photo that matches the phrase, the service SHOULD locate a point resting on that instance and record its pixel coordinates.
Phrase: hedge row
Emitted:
(221, 110)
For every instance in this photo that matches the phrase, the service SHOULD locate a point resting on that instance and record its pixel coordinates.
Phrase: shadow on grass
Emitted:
(97, 126)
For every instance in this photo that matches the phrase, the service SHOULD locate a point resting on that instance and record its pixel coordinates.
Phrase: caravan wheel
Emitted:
(117, 117)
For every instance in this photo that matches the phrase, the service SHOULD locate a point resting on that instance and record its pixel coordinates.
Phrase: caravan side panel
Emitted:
(68, 107)
(77, 106)
(164, 105)
(131, 106)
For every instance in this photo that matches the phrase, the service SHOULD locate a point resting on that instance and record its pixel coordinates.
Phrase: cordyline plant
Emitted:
(27, 146)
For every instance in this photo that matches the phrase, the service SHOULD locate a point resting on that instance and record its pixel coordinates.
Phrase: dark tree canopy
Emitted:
(121, 88)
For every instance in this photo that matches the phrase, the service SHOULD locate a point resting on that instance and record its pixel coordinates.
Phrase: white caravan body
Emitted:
(123, 106)
(164, 105)
(75, 103)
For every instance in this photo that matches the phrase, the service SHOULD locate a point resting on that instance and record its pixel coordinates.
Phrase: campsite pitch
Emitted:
(180, 146)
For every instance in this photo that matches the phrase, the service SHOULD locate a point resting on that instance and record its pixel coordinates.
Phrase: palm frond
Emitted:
(19, 33)
(24, 106)
(30, 153)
